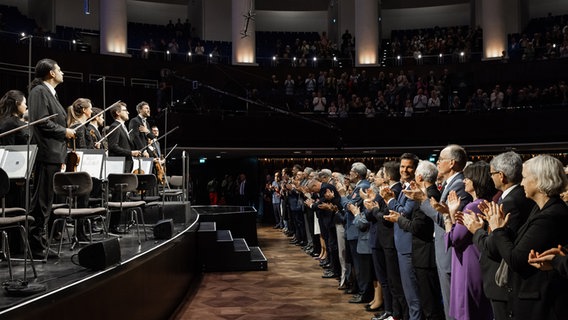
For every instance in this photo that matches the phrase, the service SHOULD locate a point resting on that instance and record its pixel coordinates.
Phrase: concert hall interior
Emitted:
(215, 94)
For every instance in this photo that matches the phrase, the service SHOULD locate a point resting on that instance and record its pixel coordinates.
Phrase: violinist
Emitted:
(118, 142)
(77, 113)
(94, 131)
(12, 109)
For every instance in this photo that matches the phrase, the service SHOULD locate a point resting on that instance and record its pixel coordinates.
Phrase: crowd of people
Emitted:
(359, 93)
(454, 239)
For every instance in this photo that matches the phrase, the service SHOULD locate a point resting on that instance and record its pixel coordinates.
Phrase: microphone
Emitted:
(101, 78)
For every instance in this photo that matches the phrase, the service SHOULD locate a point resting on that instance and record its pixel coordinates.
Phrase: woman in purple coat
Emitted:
(467, 299)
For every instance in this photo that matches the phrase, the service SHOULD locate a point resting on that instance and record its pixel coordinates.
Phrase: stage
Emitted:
(149, 282)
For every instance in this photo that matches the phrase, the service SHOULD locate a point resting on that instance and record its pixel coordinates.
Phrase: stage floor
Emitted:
(58, 273)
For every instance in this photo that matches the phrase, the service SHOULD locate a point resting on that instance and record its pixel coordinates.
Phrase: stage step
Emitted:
(219, 251)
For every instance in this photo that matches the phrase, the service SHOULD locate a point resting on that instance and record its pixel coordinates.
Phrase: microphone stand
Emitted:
(23, 287)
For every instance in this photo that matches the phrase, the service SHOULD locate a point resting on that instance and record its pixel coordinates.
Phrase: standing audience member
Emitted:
(451, 162)
(506, 173)
(423, 253)
(402, 238)
(531, 294)
(467, 299)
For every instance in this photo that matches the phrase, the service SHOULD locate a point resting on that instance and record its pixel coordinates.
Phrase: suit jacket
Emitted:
(422, 229)
(49, 136)
(363, 243)
(120, 145)
(139, 139)
(519, 207)
(535, 294)
(381, 231)
(405, 206)
(443, 256)
(351, 231)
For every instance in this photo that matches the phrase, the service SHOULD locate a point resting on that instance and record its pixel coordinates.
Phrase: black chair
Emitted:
(13, 218)
(76, 187)
(174, 194)
(120, 184)
(147, 189)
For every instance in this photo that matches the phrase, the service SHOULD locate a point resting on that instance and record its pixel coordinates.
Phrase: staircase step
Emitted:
(240, 245)
(207, 226)
(256, 255)
(224, 236)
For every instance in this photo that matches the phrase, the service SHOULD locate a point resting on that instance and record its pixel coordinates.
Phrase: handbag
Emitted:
(502, 274)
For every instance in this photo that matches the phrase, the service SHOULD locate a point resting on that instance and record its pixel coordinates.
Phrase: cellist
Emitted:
(155, 151)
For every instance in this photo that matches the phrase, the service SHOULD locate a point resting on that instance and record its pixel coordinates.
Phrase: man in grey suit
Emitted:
(451, 162)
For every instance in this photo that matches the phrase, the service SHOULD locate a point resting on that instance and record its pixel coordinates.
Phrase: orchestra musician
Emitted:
(50, 137)
(77, 113)
(156, 153)
(12, 109)
(139, 127)
(119, 143)
(94, 131)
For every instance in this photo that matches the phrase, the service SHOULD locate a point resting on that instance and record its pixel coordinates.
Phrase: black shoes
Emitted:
(368, 308)
(328, 274)
(359, 298)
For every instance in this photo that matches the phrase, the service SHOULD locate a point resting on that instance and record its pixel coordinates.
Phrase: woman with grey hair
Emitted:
(532, 294)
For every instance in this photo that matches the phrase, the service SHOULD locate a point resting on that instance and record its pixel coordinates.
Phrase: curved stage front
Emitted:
(150, 282)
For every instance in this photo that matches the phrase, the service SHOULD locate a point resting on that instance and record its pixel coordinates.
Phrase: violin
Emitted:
(72, 160)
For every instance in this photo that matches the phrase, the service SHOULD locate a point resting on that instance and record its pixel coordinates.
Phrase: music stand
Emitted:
(14, 160)
(91, 161)
(146, 164)
(113, 165)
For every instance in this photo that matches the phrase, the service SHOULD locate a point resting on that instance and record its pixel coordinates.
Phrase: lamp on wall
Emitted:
(86, 7)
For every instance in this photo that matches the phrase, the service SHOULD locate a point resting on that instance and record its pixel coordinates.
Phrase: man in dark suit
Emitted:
(451, 162)
(139, 127)
(119, 143)
(506, 172)
(402, 238)
(49, 136)
(385, 258)
(423, 253)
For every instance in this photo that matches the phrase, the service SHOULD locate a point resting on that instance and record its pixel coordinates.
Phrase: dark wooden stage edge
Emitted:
(147, 285)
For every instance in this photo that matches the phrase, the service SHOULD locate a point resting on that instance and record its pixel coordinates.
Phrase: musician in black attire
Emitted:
(12, 109)
(139, 127)
(79, 112)
(50, 137)
(94, 131)
(118, 142)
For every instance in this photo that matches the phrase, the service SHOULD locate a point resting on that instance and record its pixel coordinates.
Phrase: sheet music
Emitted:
(145, 163)
(114, 165)
(14, 163)
(91, 163)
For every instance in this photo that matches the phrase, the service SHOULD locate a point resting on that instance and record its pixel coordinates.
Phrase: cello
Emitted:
(160, 173)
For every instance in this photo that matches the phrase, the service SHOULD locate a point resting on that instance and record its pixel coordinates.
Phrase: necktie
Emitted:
(56, 96)
(144, 122)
